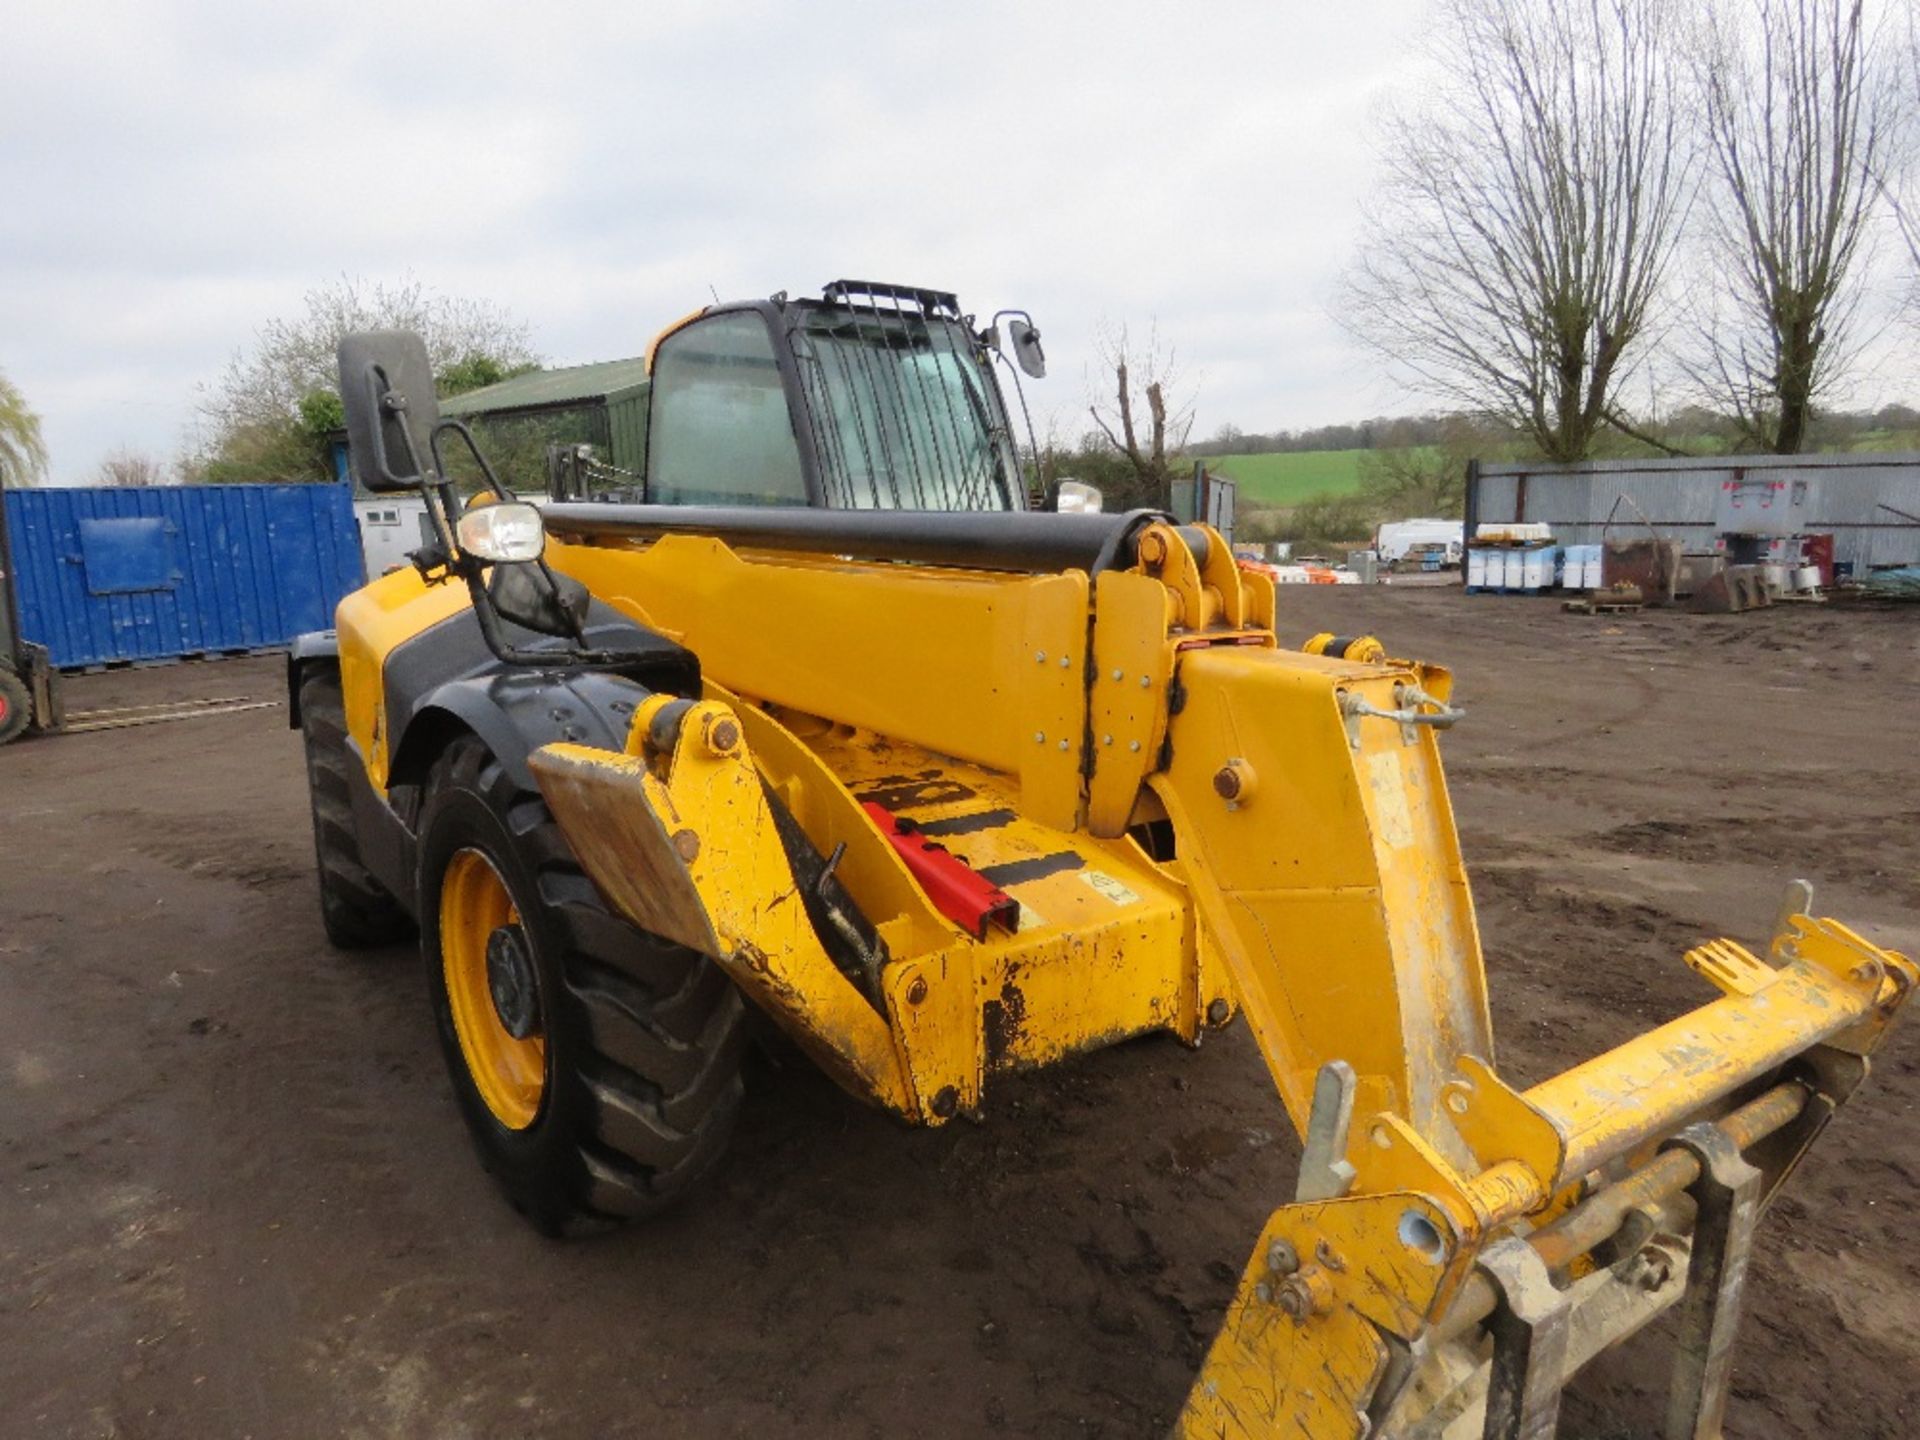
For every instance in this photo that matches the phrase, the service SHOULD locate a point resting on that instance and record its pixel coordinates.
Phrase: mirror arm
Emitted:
(483, 610)
(459, 428)
(438, 492)
(439, 495)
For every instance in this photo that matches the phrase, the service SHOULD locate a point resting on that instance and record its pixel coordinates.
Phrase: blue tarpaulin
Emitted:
(107, 575)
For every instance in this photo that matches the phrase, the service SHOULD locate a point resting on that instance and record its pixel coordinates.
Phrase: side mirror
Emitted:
(1075, 497)
(386, 390)
(1024, 341)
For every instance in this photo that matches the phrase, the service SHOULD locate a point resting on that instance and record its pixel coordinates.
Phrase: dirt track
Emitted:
(237, 1200)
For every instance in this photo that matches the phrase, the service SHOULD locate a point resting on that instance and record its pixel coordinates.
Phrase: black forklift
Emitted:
(29, 685)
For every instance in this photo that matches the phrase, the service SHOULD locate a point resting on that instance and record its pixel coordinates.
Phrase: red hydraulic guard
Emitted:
(957, 890)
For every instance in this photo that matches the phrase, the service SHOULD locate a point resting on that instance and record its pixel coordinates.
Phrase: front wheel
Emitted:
(597, 1067)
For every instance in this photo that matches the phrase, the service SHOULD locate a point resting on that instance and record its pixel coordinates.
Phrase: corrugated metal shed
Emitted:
(1870, 504)
(603, 405)
(108, 575)
(539, 389)
(627, 430)
(1205, 497)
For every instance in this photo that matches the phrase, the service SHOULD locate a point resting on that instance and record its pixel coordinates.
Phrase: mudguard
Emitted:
(516, 711)
(305, 649)
(447, 674)
(444, 681)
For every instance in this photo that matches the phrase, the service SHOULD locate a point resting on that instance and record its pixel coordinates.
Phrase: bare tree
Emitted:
(264, 388)
(23, 455)
(1529, 211)
(1799, 114)
(1148, 418)
(131, 469)
(1901, 174)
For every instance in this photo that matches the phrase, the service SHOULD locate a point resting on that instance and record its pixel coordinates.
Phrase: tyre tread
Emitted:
(358, 911)
(665, 1028)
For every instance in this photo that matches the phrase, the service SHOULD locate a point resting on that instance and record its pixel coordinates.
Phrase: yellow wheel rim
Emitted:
(510, 1073)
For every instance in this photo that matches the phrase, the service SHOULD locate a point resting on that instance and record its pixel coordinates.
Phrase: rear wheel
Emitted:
(597, 1067)
(358, 911)
(16, 705)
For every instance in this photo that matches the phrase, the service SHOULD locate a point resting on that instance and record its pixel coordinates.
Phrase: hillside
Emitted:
(1288, 479)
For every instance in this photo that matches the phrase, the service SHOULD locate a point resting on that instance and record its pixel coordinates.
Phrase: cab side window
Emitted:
(719, 433)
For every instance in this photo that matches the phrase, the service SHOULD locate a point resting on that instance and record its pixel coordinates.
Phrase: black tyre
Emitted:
(597, 1067)
(16, 705)
(359, 913)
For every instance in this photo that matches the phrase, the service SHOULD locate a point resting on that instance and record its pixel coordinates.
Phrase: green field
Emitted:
(1288, 479)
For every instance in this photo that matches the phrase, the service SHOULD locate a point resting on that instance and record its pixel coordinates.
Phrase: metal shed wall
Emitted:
(1870, 504)
(147, 574)
(627, 429)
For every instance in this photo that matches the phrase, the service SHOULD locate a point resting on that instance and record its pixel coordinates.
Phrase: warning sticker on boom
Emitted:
(1110, 888)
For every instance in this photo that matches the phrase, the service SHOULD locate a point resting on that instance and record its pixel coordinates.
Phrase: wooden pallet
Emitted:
(1603, 607)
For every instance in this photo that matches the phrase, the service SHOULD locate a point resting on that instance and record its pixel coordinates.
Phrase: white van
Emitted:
(1394, 539)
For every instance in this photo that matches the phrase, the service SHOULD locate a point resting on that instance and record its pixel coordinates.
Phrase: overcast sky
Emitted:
(174, 174)
(171, 175)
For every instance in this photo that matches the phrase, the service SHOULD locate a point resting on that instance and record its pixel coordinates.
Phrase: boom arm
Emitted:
(1314, 880)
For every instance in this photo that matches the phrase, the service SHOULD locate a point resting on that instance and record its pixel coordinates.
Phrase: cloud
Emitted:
(175, 174)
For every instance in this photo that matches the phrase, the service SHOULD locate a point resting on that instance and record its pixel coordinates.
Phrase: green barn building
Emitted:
(603, 405)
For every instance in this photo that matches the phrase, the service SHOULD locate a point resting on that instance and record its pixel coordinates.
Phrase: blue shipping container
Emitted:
(109, 575)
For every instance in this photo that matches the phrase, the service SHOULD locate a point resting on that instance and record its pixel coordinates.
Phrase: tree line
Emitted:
(1687, 429)
(1382, 432)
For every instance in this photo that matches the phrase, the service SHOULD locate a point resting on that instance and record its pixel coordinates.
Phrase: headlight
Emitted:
(503, 533)
(1075, 497)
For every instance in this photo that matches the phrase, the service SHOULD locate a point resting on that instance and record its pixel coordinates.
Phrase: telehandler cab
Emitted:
(835, 726)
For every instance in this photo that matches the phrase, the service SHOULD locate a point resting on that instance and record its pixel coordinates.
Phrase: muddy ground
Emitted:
(235, 1199)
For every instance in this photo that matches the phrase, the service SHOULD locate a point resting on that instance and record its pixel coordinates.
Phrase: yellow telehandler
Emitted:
(835, 725)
